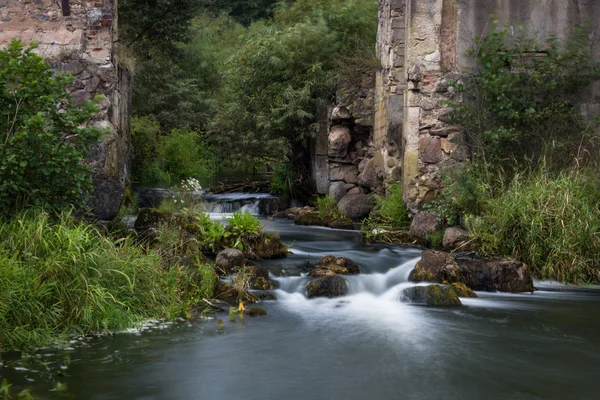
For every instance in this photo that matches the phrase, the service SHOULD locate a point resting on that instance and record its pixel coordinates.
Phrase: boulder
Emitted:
(264, 246)
(256, 312)
(462, 290)
(502, 275)
(424, 225)
(338, 190)
(292, 213)
(340, 113)
(343, 172)
(436, 266)
(339, 139)
(228, 260)
(454, 237)
(308, 218)
(259, 278)
(230, 295)
(342, 223)
(327, 286)
(266, 296)
(335, 265)
(370, 176)
(431, 295)
(356, 206)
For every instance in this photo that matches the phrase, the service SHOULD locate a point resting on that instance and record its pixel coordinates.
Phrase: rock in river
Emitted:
(227, 260)
(432, 295)
(336, 265)
(327, 286)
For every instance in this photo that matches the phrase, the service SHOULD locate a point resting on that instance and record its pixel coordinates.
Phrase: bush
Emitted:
(243, 223)
(551, 222)
(518, 105)
(65, 278)
(43, 141)
(281, 181)
(144, 161)
(327, 209)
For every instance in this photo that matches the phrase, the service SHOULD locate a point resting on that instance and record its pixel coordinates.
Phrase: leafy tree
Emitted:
(243, 11)
(43, 138)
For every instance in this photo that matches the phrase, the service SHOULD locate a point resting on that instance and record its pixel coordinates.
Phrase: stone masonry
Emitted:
(80, 41)
(422, 46)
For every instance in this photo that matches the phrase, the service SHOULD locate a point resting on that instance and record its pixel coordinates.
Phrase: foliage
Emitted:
(284, 69)
(148, 24)
(389, 213)
(66, 278)
(163, 158)
(518, 104)
(435, 240)
(44, 136)
(281, 181)
(550, 221)
(244, 11)
(243, 223)
(327, 208)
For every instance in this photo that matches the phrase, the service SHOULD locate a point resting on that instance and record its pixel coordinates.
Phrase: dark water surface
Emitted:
(367, 345)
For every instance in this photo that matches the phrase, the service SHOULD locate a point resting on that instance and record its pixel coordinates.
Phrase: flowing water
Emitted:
(367, 345)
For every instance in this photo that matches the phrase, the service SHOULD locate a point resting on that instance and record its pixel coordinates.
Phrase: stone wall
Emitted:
(343, 149)
(81, 43)
(422, 46)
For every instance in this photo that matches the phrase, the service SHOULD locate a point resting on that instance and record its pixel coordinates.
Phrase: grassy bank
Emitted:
(63, 277)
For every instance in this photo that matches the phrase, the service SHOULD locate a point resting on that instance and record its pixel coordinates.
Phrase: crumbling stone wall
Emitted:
(343, 148)
(422, 46)
(81, 43)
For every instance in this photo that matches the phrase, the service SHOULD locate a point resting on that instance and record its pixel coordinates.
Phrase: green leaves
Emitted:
(41, 144)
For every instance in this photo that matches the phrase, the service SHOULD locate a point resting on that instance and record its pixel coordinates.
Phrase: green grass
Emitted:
(549, 221)
(59, 278)
(327, 208)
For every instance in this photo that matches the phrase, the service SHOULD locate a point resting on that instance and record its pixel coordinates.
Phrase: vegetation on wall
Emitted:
(529, 189)
(44, 135)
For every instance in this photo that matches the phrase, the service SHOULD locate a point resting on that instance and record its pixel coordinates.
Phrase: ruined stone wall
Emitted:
(343, 147)
(422, 46)
(81, 43)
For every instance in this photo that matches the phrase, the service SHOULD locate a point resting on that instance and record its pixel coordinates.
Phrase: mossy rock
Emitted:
(327, 286)
(420, 275)
(256, 312)
(309, 218)
(336, 265)
(261, 283)
(432, 295)
(341, 223)
(266, 296)
(265, 246)
(462, 290)
(230, 295)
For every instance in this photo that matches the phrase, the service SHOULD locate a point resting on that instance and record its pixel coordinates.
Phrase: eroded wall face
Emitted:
(422, 46)
(81, 44)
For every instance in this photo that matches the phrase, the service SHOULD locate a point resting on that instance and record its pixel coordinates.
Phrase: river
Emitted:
(366, 346)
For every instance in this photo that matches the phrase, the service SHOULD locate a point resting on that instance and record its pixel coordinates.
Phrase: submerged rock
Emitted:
(432, 295)
(330, 285)
(256, 312)
(502, 275)
(228, 260)
(436, 266)
(335, 265)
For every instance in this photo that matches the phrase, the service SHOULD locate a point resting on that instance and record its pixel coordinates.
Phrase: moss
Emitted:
(256, 312)
(421, 275)
(261, 283)
(432, 295)
(462, 290)
(309, 218)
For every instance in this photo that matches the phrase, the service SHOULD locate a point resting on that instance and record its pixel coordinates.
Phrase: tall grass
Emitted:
(550, 221)
(63, 277)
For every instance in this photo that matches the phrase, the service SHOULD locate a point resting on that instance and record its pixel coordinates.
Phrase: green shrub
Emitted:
(550, 221)
(144, 161)
(42, 144)
(243, 223)
(281, 181)
(67, 278)
(327, 208)
(518, 107)
(183, 154)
